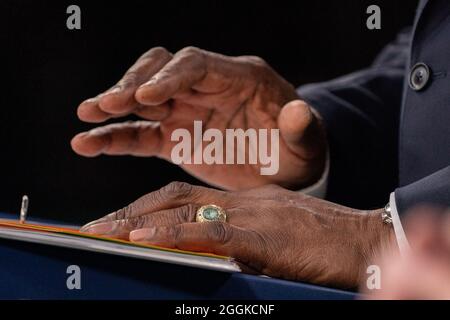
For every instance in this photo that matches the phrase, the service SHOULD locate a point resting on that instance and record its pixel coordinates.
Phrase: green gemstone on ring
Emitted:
(211, 213)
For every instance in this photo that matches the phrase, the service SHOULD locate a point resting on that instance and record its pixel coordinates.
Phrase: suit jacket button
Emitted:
(419, 76)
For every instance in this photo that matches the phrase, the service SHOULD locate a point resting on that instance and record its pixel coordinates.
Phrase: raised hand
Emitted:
(171, 91)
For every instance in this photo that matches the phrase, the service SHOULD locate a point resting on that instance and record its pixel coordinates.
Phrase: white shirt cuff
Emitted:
(319, 189)
(402, 242)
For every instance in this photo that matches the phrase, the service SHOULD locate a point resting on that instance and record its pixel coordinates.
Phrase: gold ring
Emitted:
(210, 213)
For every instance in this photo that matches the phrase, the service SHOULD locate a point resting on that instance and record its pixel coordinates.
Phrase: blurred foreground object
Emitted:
(423, 272)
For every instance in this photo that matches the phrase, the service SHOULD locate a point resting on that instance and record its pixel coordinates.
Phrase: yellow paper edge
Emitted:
(77, 233)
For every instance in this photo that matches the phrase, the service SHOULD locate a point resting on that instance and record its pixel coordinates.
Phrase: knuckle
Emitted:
(154, 198)
(189, 57)
(160, 51)
(123, 213)
(220, 232)
(258, 66)
(129, 80)
(178, 189)
(138, 222)
(255, 66)
(177, 234)
(256, 61)
(190, 51)
(121, 225)
(157, 52)
(187, 212)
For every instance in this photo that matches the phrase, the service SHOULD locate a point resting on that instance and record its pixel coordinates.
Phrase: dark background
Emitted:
(47, 70)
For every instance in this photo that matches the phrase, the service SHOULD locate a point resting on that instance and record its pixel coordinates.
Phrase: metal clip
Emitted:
(24, 209)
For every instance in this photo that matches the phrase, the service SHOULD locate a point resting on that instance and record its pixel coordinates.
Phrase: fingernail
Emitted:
(100, 228)
(87, 225)
(142, 234)
(81, 135)
(96, 131)
(150, 82)
(113, 91)
(90, 100)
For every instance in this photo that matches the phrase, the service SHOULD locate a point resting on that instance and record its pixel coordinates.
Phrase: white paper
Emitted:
(88, 244)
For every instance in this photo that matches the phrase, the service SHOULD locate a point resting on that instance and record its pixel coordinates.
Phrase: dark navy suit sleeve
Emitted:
(361, 114)
(433, 189)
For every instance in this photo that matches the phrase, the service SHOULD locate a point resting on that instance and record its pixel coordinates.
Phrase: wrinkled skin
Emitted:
(269, 230)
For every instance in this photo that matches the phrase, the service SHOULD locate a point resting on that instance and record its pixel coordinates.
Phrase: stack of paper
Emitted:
(72, 238)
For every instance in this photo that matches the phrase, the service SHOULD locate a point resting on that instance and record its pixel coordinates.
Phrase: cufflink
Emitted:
(386, 215)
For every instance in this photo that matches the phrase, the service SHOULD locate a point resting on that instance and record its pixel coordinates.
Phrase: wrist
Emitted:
(378, 238)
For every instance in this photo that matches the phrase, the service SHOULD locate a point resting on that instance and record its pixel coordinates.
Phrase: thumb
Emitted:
(301, 129)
